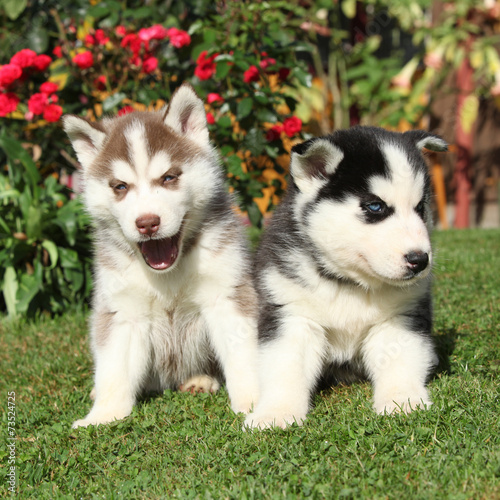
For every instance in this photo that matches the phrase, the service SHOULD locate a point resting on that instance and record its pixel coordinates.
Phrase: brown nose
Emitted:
(148, 224)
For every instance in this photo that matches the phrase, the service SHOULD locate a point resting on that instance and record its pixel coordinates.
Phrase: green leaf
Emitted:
(222, 69)
(244, 107)
(112, 101)
(14, 8)
(266, 115)
(38, 39)
(28, 288)
(51, 248)
(9, 289)
(233, 165)
(254, 141)
(33, 223)
(349, 8)
(254, 214)
(224, 122)
(14, 150)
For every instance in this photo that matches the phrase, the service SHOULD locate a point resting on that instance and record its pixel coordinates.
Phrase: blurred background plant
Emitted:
(271, 74)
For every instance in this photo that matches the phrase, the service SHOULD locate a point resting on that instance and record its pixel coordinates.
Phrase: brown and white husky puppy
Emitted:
(173, 305)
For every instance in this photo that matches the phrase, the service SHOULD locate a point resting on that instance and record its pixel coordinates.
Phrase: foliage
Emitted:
(375, 81)
(44, 252)
(182, 446)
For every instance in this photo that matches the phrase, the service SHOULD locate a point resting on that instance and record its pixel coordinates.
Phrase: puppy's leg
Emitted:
(234, 338)
(289, 367)
(121, 355)
(398, 362)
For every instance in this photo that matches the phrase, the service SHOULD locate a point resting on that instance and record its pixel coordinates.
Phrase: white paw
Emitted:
(243, 405)
(200, 383)
(400, 403)
(267, 421)
(98, 417)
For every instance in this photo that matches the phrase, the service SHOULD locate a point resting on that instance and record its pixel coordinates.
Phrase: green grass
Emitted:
(183, 446)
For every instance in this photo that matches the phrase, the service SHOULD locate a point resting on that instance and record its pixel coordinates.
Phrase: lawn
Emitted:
(181, 446)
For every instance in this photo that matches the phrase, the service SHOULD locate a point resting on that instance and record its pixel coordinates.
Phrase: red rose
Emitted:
(24, 58)
(57, 52)
(84, 60)
(156, 32)
(37, 103)
(205, 66)
(125, 111)
(251, 74)
(283, 73)
(178, 38)
(274, 133)
(42, 62)
(149, 64)
(213, 97)
(132, 41)
(120, 31)
(9, 73)
(268, 61)
(89, 40)
(52, 112)
(48, 88)
(210, 119)
(292, 126)
(8, 103)
(100, 82)
(100, 37)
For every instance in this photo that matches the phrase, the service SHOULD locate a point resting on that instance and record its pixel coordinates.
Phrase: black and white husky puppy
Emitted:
(174, 305)
(343, 274)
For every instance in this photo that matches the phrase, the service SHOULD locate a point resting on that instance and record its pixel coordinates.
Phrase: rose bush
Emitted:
(106, 62)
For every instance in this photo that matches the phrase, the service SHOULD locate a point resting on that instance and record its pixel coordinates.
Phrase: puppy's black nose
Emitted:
(417, 261)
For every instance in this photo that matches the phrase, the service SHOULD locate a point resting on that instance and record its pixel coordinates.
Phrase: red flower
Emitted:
(125, 111)
(84, 60)
(149, 64)
(52, 112)
(251, 74)
(24, 58)
(292, 126)
(133, 42)
(48, 88)
(100, 37)
(57, 52)
(210, 119)
(268, 61)
(178, 38)
(100, 82)
(9, 73)
(42, 62)
(120, 31)
(283, 73)
(156, 32)
(274, 133)
(89, 40)
(8, 103)
(205, 66)
(213, 97)
(37, 103)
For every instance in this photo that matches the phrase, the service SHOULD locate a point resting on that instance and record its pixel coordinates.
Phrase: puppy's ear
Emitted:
(312, 162)
(186, 115)
(423, 139)
(85, 136)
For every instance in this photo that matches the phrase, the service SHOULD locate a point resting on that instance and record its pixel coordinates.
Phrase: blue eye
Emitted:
(375, 207)
(168, 178)
(120, 187)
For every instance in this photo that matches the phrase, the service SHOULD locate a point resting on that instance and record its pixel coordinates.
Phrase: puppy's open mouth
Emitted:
(161, 254)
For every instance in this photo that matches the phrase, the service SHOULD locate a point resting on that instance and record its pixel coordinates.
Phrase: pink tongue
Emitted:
(160, 254)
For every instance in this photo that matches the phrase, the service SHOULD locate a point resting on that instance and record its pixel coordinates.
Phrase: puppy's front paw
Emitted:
(200, 383)
(270, 420)
(402, 403)
(98, 417)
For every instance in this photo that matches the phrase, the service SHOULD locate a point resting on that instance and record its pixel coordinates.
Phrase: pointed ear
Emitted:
(85, 136)
(423, 139)
(312, 161)
(186, 115)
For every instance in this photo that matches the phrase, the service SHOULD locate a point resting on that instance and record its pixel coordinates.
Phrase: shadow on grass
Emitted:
(445, 345)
